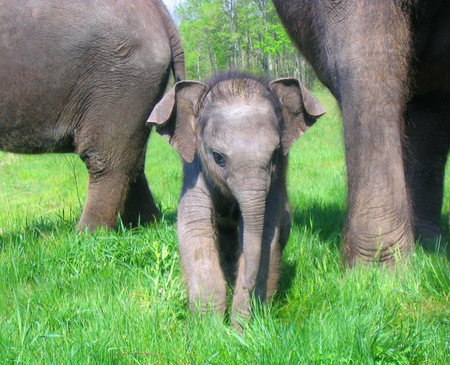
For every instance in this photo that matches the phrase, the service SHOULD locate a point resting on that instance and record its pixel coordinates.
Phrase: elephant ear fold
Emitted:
(175, 116)
(300, 109)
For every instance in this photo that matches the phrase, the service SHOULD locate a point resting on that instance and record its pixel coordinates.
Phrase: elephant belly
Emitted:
(31, 137)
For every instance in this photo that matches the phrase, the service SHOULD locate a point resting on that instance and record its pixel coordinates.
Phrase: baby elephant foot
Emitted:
(241, 309)
(203, 304)
(207, 294)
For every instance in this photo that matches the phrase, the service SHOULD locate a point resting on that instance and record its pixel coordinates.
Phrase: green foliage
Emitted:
(237, 34)
(119, 297)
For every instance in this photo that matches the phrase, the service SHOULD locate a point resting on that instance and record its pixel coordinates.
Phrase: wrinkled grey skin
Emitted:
(83, 76)
(388, 64)
(234, 134)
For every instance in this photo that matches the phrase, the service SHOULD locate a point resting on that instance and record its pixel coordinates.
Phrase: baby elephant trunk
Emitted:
(252, 201)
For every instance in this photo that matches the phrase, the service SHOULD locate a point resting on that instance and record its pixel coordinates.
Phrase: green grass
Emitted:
(118, 297)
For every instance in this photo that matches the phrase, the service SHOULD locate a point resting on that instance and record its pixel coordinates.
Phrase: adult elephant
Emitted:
(83, 76)
(388, 64)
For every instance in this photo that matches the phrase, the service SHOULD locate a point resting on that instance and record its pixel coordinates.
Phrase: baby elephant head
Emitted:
(191, 109)
(240, 129)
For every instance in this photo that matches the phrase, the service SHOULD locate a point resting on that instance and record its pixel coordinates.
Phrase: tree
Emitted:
(238, 34)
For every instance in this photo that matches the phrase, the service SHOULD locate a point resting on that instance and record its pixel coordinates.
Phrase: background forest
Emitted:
(238, 34)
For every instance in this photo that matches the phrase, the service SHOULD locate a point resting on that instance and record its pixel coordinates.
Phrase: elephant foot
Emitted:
(140, 207)
(91, 220)
(241, 308)
(203, 303)
(141, 217)
(429, 235)
(380, 249)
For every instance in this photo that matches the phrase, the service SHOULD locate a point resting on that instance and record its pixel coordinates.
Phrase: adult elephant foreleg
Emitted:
(426, 150)
(361, 51)
(371, 84)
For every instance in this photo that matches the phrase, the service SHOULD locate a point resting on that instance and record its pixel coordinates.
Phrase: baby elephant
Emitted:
(234, 134)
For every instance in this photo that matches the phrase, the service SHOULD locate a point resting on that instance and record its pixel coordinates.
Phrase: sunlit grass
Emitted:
(119, 297)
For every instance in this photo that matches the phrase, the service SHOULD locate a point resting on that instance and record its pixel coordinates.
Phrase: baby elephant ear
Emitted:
(175, 116)
(300, 109)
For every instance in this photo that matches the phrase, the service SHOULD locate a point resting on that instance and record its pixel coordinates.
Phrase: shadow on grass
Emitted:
(36, 229)
(169, 215)
(325, 221)
(41, 228)
(287, 276)
(319, 220)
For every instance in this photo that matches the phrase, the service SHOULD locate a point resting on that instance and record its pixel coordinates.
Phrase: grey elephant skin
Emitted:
(83, 76)
(388, 65)
(233, 134)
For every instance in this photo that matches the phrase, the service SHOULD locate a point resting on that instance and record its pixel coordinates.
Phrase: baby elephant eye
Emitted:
(219, 159)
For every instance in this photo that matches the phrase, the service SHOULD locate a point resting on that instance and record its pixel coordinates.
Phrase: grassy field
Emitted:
(118, 297)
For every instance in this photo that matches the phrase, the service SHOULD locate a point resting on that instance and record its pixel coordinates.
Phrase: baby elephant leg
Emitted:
(267, 280)
(428, 144)
(199, 253)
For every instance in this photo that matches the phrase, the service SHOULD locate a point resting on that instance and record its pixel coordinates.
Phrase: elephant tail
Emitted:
(175, 44)
(177, 56)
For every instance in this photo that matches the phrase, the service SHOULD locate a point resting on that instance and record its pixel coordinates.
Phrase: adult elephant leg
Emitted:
(371, 80)
(140, 206)
(106, 195)
(428, 143)
(113, 153)
(361, 50)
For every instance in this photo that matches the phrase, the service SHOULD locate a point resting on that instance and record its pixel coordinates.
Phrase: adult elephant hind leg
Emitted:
(285, 224)
(426, 150)
(140, 207)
